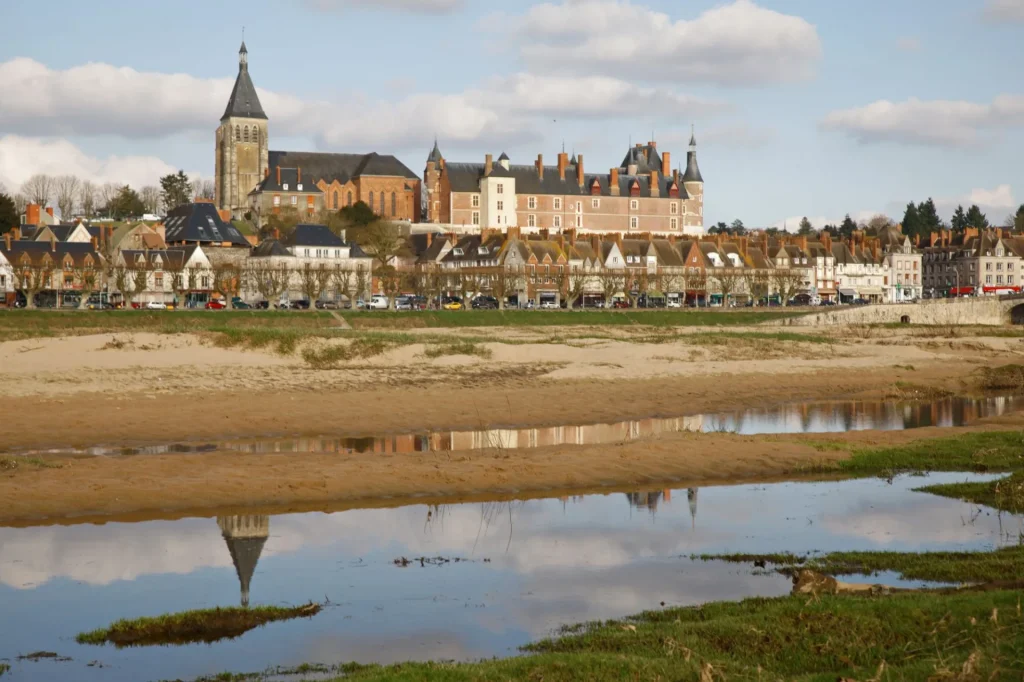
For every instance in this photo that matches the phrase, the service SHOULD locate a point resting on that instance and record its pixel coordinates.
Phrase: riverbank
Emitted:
(144, 388)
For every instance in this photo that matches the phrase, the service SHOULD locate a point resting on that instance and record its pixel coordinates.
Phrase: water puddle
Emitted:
(812, 417)
(493, 576)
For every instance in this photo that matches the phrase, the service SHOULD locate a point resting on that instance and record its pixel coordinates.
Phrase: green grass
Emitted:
(329, 357)
(4, 667)
(1006, 494)
(547, 318)
(459, 347)
(208, 625)
(27, 463)
(945, 567)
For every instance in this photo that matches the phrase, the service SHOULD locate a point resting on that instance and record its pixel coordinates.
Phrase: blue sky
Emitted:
(801, 107)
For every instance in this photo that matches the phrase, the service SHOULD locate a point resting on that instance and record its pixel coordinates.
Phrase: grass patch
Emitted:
(978, 452)
(945, 567)
(27, 463)
(328, 357)
(1005, 378)
(457, 348)
(912, 636)
(1006, 494)
(208, 625)
(903, 390)
(4, 667)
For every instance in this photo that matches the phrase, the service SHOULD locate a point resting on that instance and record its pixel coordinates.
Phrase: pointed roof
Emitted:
(693, 139)
(692, 173)
(245, 553)
(435, 153)
(504, 157)
(243, 103)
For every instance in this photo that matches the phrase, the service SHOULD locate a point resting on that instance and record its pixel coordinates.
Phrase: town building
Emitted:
(976, 262)
(250, 177)
(644, 194)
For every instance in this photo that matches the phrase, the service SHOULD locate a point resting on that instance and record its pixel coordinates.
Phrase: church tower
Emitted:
(694, 185)
(245, 536)
(243, 156)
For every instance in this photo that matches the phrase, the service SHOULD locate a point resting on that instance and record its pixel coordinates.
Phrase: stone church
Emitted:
(252, 178)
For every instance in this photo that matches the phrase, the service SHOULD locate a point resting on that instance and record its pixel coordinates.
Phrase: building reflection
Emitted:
(245, 535)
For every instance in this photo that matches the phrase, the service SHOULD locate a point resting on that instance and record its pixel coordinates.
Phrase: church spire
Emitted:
(243, 103)
(243, 57)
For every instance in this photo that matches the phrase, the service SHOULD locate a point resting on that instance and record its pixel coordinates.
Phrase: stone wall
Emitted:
(987, 311)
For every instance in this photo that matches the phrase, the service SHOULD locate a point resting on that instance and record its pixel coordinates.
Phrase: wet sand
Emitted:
(398, 394)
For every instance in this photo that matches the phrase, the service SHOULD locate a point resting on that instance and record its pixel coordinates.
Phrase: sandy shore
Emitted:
(143, 388)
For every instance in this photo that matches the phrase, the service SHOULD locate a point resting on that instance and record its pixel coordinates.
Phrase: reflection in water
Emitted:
(529, 567)
(815, 417)
(245, 535)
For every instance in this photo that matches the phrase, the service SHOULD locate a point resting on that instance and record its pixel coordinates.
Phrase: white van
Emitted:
(378, 302)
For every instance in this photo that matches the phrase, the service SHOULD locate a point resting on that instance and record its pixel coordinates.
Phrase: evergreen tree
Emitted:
(911, 220)
(718, 228)
(737, 227)
(975, 218)
(929, 220)
(359, 214)
(848, 227)
(8, 213)
(1018, 220)
(959, 221)
(126, 204)
(806, 229)
(175, 190)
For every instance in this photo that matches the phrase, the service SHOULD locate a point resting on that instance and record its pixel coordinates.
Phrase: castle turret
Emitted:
(432, 181)
(693, 183)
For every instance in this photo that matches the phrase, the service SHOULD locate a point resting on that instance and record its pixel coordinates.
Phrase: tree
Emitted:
(383, 241)
(359, 214)
(575, 285)
(182, 282)
(758, 284)
(848, 227)
(787, 282)
(637, 283)
(31, 278)
(269, 280)
(363, 281)
(313, 279)
(175, 190)
(107, 194)
(929, 220)
(150, 196)
(341, 281)
(89, 280)
(126, 204)
(283, 224)
(959, 221)
(737, 228)
(612, 282)
(718, 228)
(132, 276)
(87, 198)
(39, 189)
(227, 281)
(975, 218)
(20, 202)
(729, 280)
(9, 216)
(1018, 220)
(203, 188)
(66, 188)
(505, 283)
(391, 280)
(911, 220)
(806, 229)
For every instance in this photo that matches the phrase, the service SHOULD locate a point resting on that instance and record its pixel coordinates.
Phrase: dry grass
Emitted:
(457, 348)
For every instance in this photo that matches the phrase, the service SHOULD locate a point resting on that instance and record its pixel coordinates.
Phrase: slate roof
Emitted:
(646, 158)
(313, 235)
(692, 173)
(341, 167)
(504, 157)
(244, 102)
(465, 177)
(435, 154)
(290, 177)
(37, 250)
(843, 255)
(269, 247)
(245, 554)
(201, 223)
(171, 259)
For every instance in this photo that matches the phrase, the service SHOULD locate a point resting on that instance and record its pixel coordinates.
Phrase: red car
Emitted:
(215, 305)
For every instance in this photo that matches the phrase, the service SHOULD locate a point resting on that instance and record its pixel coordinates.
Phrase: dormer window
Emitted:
(482, 250)
(457, 251)
(285, 187)
(299, 187)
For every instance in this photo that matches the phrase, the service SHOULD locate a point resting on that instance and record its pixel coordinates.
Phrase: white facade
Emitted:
(498, 202)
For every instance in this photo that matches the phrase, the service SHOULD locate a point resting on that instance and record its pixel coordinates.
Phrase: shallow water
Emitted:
(811, 417)
(527, 567)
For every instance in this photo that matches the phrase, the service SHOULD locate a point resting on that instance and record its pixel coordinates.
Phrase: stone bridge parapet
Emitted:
(942, 311)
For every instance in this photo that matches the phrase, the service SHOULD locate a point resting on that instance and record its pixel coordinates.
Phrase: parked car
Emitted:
(300, 304)
(620, 304)
(828, 303)
(548, 305)
(403, 303)
(484, 303)
(452, 303)
(215, 304)
(378, 302)
(326, 305)
(99, 305)
(861, 301)
(156, 305)
(262, 305)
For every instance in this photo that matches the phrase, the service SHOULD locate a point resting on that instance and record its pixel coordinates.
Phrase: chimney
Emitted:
(278, 176)
(743, 246)
(17, 233)
(802, 243)
(563, 161)
(613, 182)
(579, 168)
(277, 234)
(595, 244)
(298, 172)
(49, 211)
(545, 234)
(95, 244)
(266, 172)
(561, 241)
(430, 238)
(32, 214)
(655, 185)
(540, 166)
(666, 164)
(639, 145)
(488, 164)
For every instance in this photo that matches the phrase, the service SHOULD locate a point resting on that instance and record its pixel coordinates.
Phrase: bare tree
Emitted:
(87, 198)
(342, 280)
(107, 193)
(391, 280)
(66, 190)
(226, 281)
(313, 279)
(728, 281)
(697, 281)
(20, 202)
(383, 241)
(787, 282)
(203, 188)
(637, 283)
(39, 189)
(150, 196)
(878, 222)
(612, 282)
(758, 284)
(504, 283)
(576, 285)
(363, 282)
(90, 281)
(32, 277)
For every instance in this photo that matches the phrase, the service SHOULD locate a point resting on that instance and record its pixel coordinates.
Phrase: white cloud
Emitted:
(928, 122)
(792, 223)
(739, 43)
(21, 157)
(908, 44)
(995, 203)
(422, 6)
(1004, 10)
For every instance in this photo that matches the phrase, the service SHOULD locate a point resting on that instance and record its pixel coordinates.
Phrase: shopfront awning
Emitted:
(847, 292)
(870, 291)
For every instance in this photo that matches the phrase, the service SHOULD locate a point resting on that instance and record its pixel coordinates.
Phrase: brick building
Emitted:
(247, 169)
(644, 194)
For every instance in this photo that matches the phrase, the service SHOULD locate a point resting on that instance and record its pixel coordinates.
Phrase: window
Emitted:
(999, 279)
(999, 266)
(1009, 279)
(394, 204)
(579, 221)
(371, 201)
(299, 186)
(277, 200)
(673, 223)
(295, 200)
(255, 134)
(595, 203)
(632, 222)
(634, 204)
(285, 187)
(501, 205)
(457, 251)
(988, 279)
(206, 281)
(382, 203)
(238, 134)
(558, 203)
(476, 217)
(531, 203)
(245, 134)
(501, 188)
(557, 221)
(350, 198)
(673, 207)
(475, 201)
(899, 265)
(531, 220)
(335, 199)
(158, 280)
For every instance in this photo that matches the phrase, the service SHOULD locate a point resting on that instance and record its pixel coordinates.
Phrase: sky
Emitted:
(801, 107)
